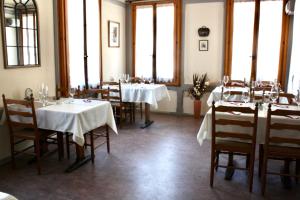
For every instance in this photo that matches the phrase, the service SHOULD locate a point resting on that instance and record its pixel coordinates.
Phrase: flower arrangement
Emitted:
(199, 88)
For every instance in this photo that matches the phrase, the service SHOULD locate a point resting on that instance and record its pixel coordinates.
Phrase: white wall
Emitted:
(13, 82)
(113, 59)
(197, 15)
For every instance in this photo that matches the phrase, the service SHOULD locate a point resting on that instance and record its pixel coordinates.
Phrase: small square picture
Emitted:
(203, 45)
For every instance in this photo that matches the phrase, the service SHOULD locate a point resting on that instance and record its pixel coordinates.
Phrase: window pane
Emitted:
(12, 56)
(144, 41)
(165, 41)
(270, 22)
(75, 42)
(93, 41)
(294, 75)
(243, 27)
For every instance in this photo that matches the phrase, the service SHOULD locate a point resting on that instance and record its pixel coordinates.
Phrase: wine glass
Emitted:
(245, 97)
(225, 80)
(274, 94)
(297, 99)
(127, 78)
(72, 92)
(226, 94)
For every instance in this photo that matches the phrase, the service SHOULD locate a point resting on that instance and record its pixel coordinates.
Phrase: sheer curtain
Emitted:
(294, 74)
(144, 41)
(93, 41)
(165, 41)
(270, 25)
(75, 42)
(243, 27)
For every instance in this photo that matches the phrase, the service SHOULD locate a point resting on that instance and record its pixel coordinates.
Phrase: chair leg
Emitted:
(85, 144)
(297, 170)
(264, 174)
(248, 161)
(217, 160)
(261, 155)
(92, 146)
(212, 168)
(37, 153)
(251, 171)
(68, 145)
(12, 151)
(133, 112)
(107, 139)
(121, 117)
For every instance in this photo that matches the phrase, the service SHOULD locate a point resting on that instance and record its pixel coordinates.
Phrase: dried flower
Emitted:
(199, 87)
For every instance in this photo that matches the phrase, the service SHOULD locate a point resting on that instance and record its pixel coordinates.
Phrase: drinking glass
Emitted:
(226, 94)
(245, 97)
(127, 79)
(225, 80)
(297, 98)
(72, 92)
(274, 94)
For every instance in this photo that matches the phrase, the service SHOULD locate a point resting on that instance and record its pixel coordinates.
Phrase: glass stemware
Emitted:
(225, 80)
(226, 94)
(72, 92)
(245, 96)
(297, 98)
(274, 94)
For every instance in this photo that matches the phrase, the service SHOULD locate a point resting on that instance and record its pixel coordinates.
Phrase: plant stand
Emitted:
(197, 109)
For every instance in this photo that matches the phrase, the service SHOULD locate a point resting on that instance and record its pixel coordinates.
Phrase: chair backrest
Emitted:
(280, 125)
(114, 89)
(236, 83)
(61, 92)
(96, 93)
(288, 96)
(27, 112)
(222, 120)
(232, 93)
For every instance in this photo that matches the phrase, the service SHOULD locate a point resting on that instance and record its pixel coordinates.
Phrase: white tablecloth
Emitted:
(206, 126)
(4, 196)
(144, 93)
(77, 117)
(215, 95)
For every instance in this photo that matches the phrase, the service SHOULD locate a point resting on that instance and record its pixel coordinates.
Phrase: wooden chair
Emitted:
(120, 108)
(24, 131)
(233, 143)
(283, 147)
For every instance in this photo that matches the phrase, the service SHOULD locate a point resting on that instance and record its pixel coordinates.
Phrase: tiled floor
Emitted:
(161, 162)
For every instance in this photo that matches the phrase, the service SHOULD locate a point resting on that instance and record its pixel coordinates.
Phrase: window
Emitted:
(156, 41)
(81, 50)
(256, 39)
(294, 74)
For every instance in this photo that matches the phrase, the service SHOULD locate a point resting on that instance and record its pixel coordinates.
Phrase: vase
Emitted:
(197, 109)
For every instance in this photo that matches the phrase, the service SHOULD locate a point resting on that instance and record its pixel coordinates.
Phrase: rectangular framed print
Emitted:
(113, 34)
(203, 45)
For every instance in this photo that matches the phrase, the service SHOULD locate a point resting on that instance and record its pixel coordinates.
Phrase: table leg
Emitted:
(148, 122)
(81, 159)
(230, 170)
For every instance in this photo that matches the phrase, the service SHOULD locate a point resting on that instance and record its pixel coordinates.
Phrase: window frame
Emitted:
(177, 38)
(282, 67)
(63, 43)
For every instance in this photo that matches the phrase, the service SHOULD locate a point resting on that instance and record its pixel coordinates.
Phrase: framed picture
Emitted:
(203, 45)
(113, 34)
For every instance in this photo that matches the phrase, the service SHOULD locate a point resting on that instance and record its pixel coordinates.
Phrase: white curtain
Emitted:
(294, 74)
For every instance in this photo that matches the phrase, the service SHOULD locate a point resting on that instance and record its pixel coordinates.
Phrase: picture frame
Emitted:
(113, 34)
(203, 45)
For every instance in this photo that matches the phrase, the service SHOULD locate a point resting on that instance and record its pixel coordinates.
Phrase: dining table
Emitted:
(149, 94)
(76, 116)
